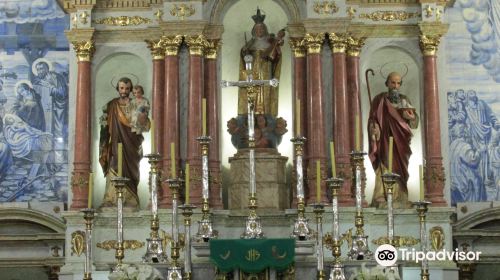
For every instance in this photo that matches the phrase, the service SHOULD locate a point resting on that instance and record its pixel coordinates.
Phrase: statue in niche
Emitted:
(265, 49)
(117, 122)
(391, 114)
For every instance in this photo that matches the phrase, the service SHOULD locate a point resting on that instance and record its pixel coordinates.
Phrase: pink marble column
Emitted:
(171, 115)
(158, 54)
(315, 118)
(82, 149)
(434, 170)
(196, 85)
(341, 107)
(211, 93)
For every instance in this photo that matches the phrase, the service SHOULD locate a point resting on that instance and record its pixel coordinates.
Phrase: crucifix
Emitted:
(253, 228)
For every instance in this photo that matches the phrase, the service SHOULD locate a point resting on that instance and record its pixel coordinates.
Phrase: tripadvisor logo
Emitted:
(386, 255)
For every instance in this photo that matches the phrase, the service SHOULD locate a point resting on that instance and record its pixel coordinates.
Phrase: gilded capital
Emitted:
(298, 47)
(196, 44)
(338, 42)
(84, 50)
(354, 45)
(171, 44)
(211, 47)
(157, 48)
(313, 42)
(429, 44)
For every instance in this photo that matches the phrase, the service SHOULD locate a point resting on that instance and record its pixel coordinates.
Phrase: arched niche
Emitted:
(400, 56)
(30, 221)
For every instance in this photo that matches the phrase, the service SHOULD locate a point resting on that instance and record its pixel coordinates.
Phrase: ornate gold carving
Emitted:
(159, 14)
(77, 242)
(171, 44)
(347, 237)
(211, 48)
(398, 241)
(436, 235)
(84, 17)
(351, 12)
(196, 44)
(328, 240)
(338, 42)
(390, 15)
(298, 47)
(181, 11)
(84, 51)
(325, 7)
(123, 20)
(439, 12)
(157, 48)
(127, 244)
(354, 45)
(313, 42)
(428, 11)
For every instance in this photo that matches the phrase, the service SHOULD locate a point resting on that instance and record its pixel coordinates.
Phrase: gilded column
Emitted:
(211, 93)
(341, 107)
(299, 93)
(158, 54)
(171, 113)
(83, 151)
(315, 119)
(434, 170)
(196, 46)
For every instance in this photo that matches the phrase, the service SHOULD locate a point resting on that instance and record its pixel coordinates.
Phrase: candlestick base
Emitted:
(253, 226)
(301, 230)
(337, 272)
(206, 231)
(174, 273)
(359, 248)
(154, 251)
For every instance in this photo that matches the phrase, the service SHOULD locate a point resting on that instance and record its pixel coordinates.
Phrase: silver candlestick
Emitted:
(389, 180)
(174, 271)
(337, 272)
(205, 228)
(88, 215)
(359, 246)
(319, 209)
(422, 207)
(301, 230)
(187, 211)
(154, 251)
(119, 183)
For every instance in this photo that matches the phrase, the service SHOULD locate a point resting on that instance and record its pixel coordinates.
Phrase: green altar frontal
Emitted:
(252, 255)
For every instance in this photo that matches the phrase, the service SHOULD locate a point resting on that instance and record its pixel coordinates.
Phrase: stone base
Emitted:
(272, 192)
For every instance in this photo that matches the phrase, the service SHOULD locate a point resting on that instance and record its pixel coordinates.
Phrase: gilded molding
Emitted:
(211, 47)
(398, 241)
(182, 11)
(325, 7)
(390, 15)
(313, 42)
(354, 45)
(84, 50)
(196, 44)
(338, 42)
(127, 244)
(298, 47)
(123, 20)
(77, 242)
(171, 44)
(429, 45)
(157, 48)
(437, 238)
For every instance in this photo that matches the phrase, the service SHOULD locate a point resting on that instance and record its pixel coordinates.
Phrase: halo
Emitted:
(395, 67)
(41, 59)
(117, 77)
(22, 82)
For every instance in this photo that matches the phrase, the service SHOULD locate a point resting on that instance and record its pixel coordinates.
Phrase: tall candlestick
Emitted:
(204, 116)
(173, 173)
(187, 184)
(357, 133)
(421, 171)
(297, 117)
(152, 133)
(120, 159)
(332, 158)
(391, 147)
(91, 186)
(318, 182)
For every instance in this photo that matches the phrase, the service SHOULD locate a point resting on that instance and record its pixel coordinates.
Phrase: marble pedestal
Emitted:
(272, 192)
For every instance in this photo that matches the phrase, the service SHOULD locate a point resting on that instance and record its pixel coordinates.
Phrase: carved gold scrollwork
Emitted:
(436, 235)
(196, 44)
(338, 42)
(157, 48)
(77, 242)
(325, 7)
(211, 48)
(313, 42)
(127, 244)
(123, 20)
(182, 11)
(390, 15)
(84, 51)
(171, 44)
(398, 241)
(354, 45)
(159, 14)
(298, 47)
(351, 12)
(84, 17)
